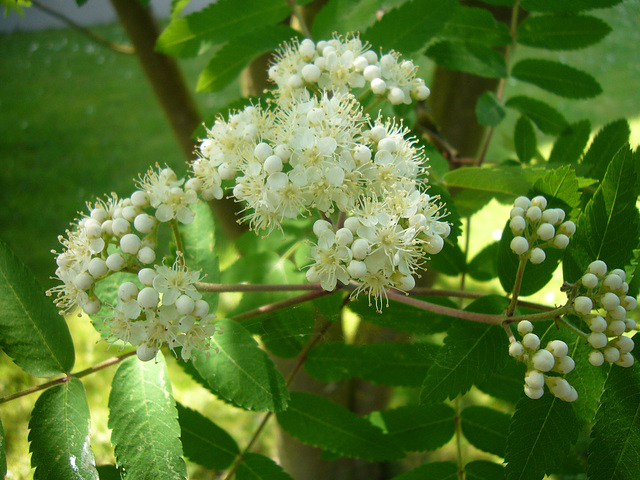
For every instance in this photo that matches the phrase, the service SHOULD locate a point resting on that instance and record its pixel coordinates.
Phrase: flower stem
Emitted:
(177, 236)
(573, 328)
(289, 302)
(516, 286)
(221, 287)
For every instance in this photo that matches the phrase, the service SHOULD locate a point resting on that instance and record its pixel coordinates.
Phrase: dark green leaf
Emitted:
(566, 5)
(506, 383)
(204, 442)
(489, 110)
(144, 423)
(484, 266)
(485, 428)
(258, 467)
(472, 58)
(3, 459)
(109, 472)
(319, 422)
(546, 118)
(228, 62)
(218, 23)
(562, 31)
(287, 331)
(107, 291)
(240, 371)
(557, 78)
(470, 353)
(608, 227)
(450, 261)
(389, 363)
(540, 436)
(505, 3)
(610, 138)
(613, 452)
(525, 140)
(501, 179)
(431, 471)
(344, 16)
(483, 470)
(59, 432)
(31, 331)
(570, 144)
(417, 428)
(477, 25)
(410, 26)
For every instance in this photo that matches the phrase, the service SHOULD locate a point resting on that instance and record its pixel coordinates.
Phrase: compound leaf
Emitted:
(562, 31)
(489, 111)
(485, 428)
(473, 58)
(609, 139)
(524, 138)
(144, 423)
(258, 467)
(59, 432)
(546, 118)
(557, 78)
(344, 16)
(477, 25)
(570, 143)
(501, 179)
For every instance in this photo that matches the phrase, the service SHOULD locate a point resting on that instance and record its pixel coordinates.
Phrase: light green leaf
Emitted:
(177, 6)
(472, 58)
(388, 363)
(485, 428)
(3, 459)
(525, 140)
(470, 353)
(484, 266)
(609, 139)
(234, 56)
(321, 423)
(431, 471)
(218, 23)
(566, 5)
(144, 423)
(59, 432)
(31, 332)
(557, 78)
(608, 227)
(561, 185)
(477, 25)
(258, 467)
(489, 110)
(417, 428)
(344, 16)
(204, 442)
(540, 436)
(546, 118)
(562, 31)
(409, 27)
(613, 452)
(483, 470)
(501, 179)
(240, 372)
(570, 144)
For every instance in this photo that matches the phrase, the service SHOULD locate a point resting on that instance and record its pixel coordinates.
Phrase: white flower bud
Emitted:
(357, 269)
(534, 214)
(99, 214)
(92, 306)
(531, 341)
(609, 301)
(623, 290)
(565, 365)
(516, 350)
(524, 327)
(551, 216)
(421, 92)
(597, 340)
(396, 96)
(388, 143)
(360, 63)
(582, 305)
(144, 223)
(185, 305)
(311, 73)
(361, 154)
(320, 227)
(262, 151)
(130, 243)
(294, 81)
(307, 49)
(624, 344)
(201, 309)
(97, 267)
(519, 245)
(127, 291)
(537, 256)
(378, 86)
(616, 328)
(543, 360)
(596, 358)
(516, 212)
(597, 324)
(612, 282)
(92, 228)
(146, 255)
(621, 273)
(598, 268)
(283, 152)
(629, 324)
(533, 393)
(561, 241)
(120, 226)
(534, 379)
(611, 354)
(360, 248)
(83, 281)
(558, 348)
(522, 202)
(434, 245)
(539, 202)
(629, 303)
(589, 280)
(406, 283)
(273, 164)
(147, 276)
(344, 236)
(517, 225)
(352, 223)
(568, 228)
(617, 313)
(145, 352)
(115, 262)
(626, 360)
(371, 72)
(148, 298)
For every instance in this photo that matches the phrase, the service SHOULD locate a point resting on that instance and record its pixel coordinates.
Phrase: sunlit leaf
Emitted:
(609, 139)
(512, 180)
(344, 16)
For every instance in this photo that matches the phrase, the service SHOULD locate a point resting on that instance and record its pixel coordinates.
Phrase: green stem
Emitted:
(297, 12)
(573, 328)
(516, 286)
(177, 236)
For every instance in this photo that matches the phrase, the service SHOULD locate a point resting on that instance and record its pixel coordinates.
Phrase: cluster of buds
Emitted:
(603, 306)
(544, 366)
(536, 227)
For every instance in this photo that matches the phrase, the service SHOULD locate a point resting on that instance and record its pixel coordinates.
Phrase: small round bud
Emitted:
(522, 202)
(517, 225)
(572, 396)
(146, 276)
(568, 228)
(629, 303)
(357, 269)
(537, 256)
(596, 358)
(421, 92)
(129, 213)
(201, 309)
(516, 212)
(99, 214)
(320, 227)
(144, 223)
(629, 324)
(145, 352)
(344, 236)
(546, 232)
(534, 379)
(406, 283)
(360, 248)
(624, 344)
(609, 301)
(558, 348)
(148, 298)
(262, 151)
(531, 341)
(130, 243)
(543, 360)
(378, 86)
(612, 282)
(582, 305)
(361, 154)
(311, 73)
(516, 350)
(371, 72)
(533, 393)
(589, 280)
(598, 268)
(352, 223)
(561, 241)
(92, 306)
(519, 245)
(97, 267)
(388, 143)
(565, 365)
(623, 290)
(120, 226)
(597, 324)
(92, 228)
(146, 255)
(83, 281)
(550, 216)
(539, 202)
(616, 328)
(140, 199)
(621, 273)
(597, 340)
(115, 262)
(559, 387)
(534, 214)
(524, 327)
(273, 164)
(185, 305)
(396, 96)
(127, 291)
(307, 49)
(617, 313)
(626, 360)
(434, 245)
(611, 354)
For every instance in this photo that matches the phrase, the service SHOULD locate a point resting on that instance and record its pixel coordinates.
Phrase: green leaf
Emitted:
(562, 31)
(450, 261)
(204, 442)
(506, 383)
(389, 363)
(321, 423)
(546, 118)
(59, 432)
(107, 291)
(258, 467)
(31, 331)
(484, 266)
(218, 23)
(477, 25)
(286, 332)
(570, 143)
(525, 140)
(609, 139)
(417, 428)
(234, 56)
(483, 470)
(501, 179)
(540, 436)
(472, 58)
(557, 78)
(344, 16)
(470, 353)
(615, 436)
(431, 471)
(177, 6)
(143, 419)
(240, 372)
(566, 5)
(3, 459)
(109, 472)
(485, 428)
(608, 227)
(489, 110)
(409, 27)
(562, 186)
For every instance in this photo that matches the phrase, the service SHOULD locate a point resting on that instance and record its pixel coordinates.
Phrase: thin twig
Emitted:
(297, 12)
(517, 284)
(289, 302)
(221, 287)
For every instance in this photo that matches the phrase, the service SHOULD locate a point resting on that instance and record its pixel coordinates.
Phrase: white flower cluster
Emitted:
(537, 227)
(120, 234)
(541, 364)
(606, 293)
(343, 64)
